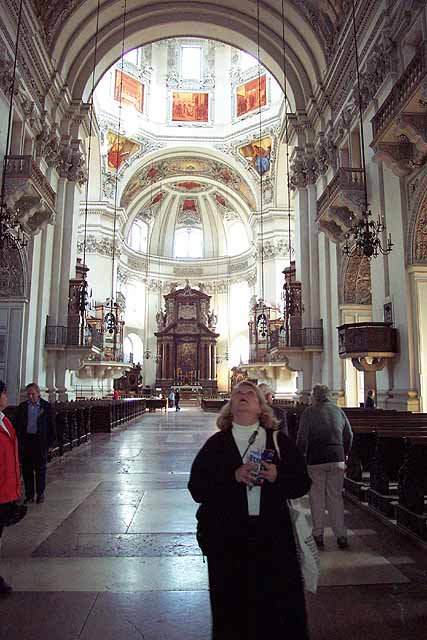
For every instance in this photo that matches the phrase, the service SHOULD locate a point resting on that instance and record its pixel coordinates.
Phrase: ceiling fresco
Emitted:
(196, 167)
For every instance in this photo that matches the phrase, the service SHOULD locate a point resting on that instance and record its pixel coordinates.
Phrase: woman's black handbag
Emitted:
(202, 530)
(13, 514)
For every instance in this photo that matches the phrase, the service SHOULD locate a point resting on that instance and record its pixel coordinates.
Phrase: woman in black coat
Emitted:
(244, 525)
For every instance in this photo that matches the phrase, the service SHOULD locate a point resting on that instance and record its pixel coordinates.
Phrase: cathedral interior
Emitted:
(235, 191)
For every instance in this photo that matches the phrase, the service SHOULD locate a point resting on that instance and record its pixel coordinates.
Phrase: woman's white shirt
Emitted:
(241, 435)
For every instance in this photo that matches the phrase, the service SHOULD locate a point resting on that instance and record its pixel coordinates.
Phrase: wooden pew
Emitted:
(392, 449)
(213, 404)
(156, 403)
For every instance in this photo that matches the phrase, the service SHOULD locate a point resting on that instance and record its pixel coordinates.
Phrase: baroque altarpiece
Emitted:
(186, 341)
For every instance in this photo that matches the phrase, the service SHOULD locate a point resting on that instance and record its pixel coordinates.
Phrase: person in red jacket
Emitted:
(10, 479)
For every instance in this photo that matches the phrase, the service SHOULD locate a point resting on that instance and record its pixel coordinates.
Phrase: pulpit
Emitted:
(186, 341)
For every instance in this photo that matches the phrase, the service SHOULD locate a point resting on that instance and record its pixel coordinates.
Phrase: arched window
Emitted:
(188, 243)
(237, 239)
(133, 345)
(239, 351)
(138, 235)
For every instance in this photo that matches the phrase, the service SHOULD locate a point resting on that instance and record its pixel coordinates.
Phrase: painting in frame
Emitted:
(119, 149)
(190, 106)
(129, 90)
(251, 95)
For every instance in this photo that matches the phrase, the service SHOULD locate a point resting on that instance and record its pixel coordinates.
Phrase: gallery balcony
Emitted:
(400, 125)
(341, 202)
(28, 192)
(368, 344)
(85, 352)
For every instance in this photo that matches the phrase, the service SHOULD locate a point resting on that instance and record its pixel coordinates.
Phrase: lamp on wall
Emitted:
(11, 230)
(364, 237)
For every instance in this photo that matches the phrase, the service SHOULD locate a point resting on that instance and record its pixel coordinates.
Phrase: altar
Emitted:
(186, 343)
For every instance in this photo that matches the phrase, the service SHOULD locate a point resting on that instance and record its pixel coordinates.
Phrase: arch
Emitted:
(239, 351)
(356, 281)
(73, 42)
(13, 272)
(417, 250)
(133, 344)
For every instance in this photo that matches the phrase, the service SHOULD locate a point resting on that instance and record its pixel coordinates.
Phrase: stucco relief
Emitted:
(100, 246)
(421, 235)
(357, 281)
(416, 247)
(12, 281)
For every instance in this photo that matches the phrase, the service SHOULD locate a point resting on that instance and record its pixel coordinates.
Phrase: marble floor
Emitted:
(112, 553)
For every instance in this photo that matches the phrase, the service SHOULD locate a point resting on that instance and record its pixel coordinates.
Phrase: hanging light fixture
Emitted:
(290, 301)
(261, 320)
(111, 318)
(147, 352)
(364, 237)
(84, 295)
(11, 231)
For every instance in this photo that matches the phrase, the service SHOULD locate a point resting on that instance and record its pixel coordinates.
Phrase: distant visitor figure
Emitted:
(370, 400)
(325, 438)
(36, 435)
(177, 399)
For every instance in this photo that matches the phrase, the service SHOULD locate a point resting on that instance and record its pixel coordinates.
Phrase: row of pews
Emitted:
(75, 420)
(387, 465)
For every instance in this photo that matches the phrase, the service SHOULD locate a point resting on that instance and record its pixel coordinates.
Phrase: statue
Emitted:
(160, 319)
(203, 313)
(212, 320)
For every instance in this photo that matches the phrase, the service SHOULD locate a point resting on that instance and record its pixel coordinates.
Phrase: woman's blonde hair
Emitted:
(266, 417)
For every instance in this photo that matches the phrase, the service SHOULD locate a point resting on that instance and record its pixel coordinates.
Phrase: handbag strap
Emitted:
(276, 444)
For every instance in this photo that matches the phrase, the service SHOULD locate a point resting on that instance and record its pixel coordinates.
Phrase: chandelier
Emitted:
(364, 236)
(363, 239)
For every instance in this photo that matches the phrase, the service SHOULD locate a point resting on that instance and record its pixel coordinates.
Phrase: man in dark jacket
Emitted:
(36, 434)
(279, 413)
(325, 438)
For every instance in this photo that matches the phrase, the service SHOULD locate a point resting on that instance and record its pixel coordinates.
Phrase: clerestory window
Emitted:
(188, 243)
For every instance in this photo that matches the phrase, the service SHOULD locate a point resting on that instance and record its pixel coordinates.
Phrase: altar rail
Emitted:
(387, 466)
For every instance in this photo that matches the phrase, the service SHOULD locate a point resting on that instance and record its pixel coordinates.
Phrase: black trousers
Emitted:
(256, 589)
(34, 460)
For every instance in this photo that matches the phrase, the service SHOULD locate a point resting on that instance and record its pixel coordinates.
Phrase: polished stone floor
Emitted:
(111, 554)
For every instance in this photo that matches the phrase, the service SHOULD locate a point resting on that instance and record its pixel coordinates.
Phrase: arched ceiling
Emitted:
(178, 168)
(310, 28)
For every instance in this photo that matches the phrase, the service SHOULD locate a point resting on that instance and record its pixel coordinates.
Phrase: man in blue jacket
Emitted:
(36, 434)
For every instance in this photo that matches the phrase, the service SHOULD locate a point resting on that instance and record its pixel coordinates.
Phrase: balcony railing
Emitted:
(305, 338)
(312, 336)
(345, 179)
(24, 168)
(60, 336)
(401, 92)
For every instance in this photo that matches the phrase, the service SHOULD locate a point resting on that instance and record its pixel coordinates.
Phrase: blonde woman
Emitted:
(244, 526)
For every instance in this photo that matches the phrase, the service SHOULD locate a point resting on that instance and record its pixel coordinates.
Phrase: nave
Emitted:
(112, 554)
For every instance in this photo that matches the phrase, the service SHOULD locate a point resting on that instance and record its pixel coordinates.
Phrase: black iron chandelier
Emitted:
(364, 236)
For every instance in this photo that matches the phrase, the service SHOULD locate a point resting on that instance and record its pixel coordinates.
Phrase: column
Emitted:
(208, 362)
(314, 276)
